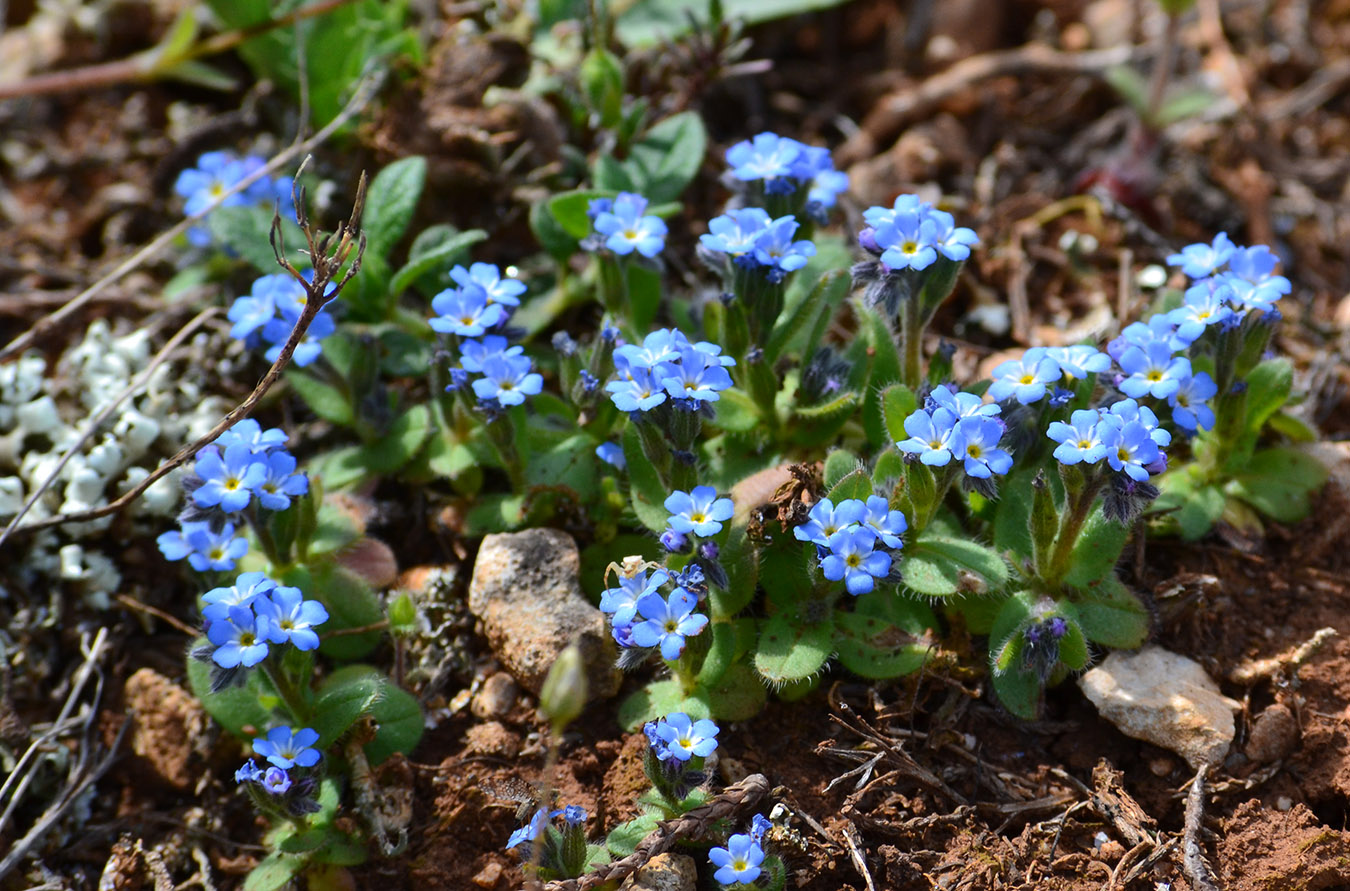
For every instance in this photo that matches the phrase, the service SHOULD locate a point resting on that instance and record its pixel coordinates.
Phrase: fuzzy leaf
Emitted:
(1112, 615)
(1278, 481)
(246, 230)
(884, 637)
(789, 651)
(738, 695)
(390, 202)
(827, 293)
(856, 484)
(648, 492)
(343, 700)
(398, 717)
(656, 699)
(235, 708)
(839, 464)
(1097, 550)
(625, 837)
(736, 411)
(274, 872)
(434, 251)
(898, 402)
(666, 159)
(937, 566)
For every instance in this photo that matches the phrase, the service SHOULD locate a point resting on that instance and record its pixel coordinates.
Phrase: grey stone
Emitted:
(497, 697)
(1166, 699)
(526, 592)
(664, 872)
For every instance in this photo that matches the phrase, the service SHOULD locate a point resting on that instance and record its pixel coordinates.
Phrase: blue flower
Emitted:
(888, 524)
(473, 353)
(734, 233)
(976, 443)
(291, 618)
(278, 331)
(815, 167)
(758, 826)
(1025, 378)
(276, 781)
(248, 772)
(963, 405)
(488, 277)
(628, 230)
(1079, 440)
(952, 241)
(825, 520)
(612, 454)
(907, 242)
(227, 481)
(508, 381)
(252, 312)
(775, 248)
(853, 557)
(250, 433)
(574, 814)
(696, 375)
(247, 588)
(203, 548)
(530, 831)
(465, 312)
(1079, 360)
(282, 481)
(1129, 448)
(738, 862)
(1127, 410)
(640, 392)
(240, 639)
(1200, 260)
(285, 748)
(1251, 276)
(1157, 329)
(700, 511)
(668, 622)
(766, 157)
(1189, 410)
(1153, 371)
(904, 205)
(621, 602)
(930, 436)
(685, 738)
(1207, 303)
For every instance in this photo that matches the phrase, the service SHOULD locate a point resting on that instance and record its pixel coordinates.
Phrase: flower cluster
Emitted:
(623, 226)
(245, 470)
(1246, 275)
(753, 240)
(1127, 435)
(957, 425)
(912, 233)
(698, 512)
(641, 617)
(854, 539)
(243, 618)
(483, 300)
(268, 313)
(668, 366)
(785, 166)
(1026, 379)
(218, 172)
(574, 817)
(284, 750)
(741, 860)
(678, 737)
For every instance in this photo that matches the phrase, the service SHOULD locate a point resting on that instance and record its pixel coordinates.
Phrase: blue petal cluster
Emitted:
(641, 616)
(1026, 379)
(482, 301)
(218, 172)
(739, 862)
(668, 366)
(285, 750)
(624, 226)
(243, 618)
(1246, 273)
(753, 240)
(854, 540)
(677, 737)
(960, 426)
(911, 234)
(785, 166)
(268, 313)
(1126, 435)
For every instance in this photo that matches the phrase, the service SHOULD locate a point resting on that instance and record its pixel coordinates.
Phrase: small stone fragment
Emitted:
(1166, 699)
(1274, 735)
(496, 698)
(488, 876)
(491, 738)
(526, 592)
(664, 872)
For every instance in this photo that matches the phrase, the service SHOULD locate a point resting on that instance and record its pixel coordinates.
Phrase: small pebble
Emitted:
(497, 697)
(1161, 767)
(491, 738)
(1274, 735)
(487, 876)
(1284, 803)
(664, 872)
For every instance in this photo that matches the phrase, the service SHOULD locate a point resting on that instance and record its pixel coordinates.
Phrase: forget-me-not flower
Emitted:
(853, 557)
(825, 519)
(465, 312)
(291, 618)
(1201, 260)
(240, 638)
(1024, 379)
(668, 622)
(628, 229)
(1079, 440)
(738, 862)
(975, 442)
(286, 748)
(700, 511)
(888, 524)
(228, 480)
(621, 603)
(489, 278)
(930, 436)
(508, 380)
(685, 738)
(1153, 371)
(1189, 408)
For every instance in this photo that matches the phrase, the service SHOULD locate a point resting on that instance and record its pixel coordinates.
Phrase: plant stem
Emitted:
(1070, 526)
(911, 337)
(290, 696)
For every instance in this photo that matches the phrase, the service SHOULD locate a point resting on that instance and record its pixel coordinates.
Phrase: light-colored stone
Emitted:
(497, 697)
(491, 738)
(664, 872)
(1165, 699)
(526, 592)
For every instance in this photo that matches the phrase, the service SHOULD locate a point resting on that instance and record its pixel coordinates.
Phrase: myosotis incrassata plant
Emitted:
(758, 496)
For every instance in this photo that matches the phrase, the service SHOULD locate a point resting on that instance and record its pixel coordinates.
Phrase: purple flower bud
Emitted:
(674, 542)
(564, 344)
(588, 381)
(867, 240)
(709, 550)
(459, 378)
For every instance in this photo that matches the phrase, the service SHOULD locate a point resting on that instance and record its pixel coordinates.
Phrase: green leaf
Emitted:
(938, 566)
(648, 492)
(246, 230)
(625, 837)
(854, 485)
(668, 157)
(1184, 103)
(341, 702)
(885, 370)
(898, 402)
(1012, 515)
(323, 398)
(401, 443)
(1073, 650)
(839, 464)
(398, 717)
(274, 872)
(889, 469)
(1268, 389)
(602, 80)
(569, 209)
(350, 603)
(789, 651)
(736, 411)
(495, 513)
(1112, 615)
(884, 637)
(434, 251)
(1278, 482)
(611, 174)
(550, 234)
(817, 424)
(656, 699)
(829, 290)
(391, 201)
(1193, 508)
(235, 708)
(648, 22)
(1019, 691)
(737, 696)
(740, 559)
(1097, 550)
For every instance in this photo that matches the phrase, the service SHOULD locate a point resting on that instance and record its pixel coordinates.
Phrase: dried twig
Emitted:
(898, 756)
(360, 96)
(328, 254)
(1249, 673)
(698, 822)
(1193, 857)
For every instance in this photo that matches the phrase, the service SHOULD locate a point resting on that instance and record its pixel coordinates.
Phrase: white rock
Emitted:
(38, 416)
(11, 495)
(1166, 699)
